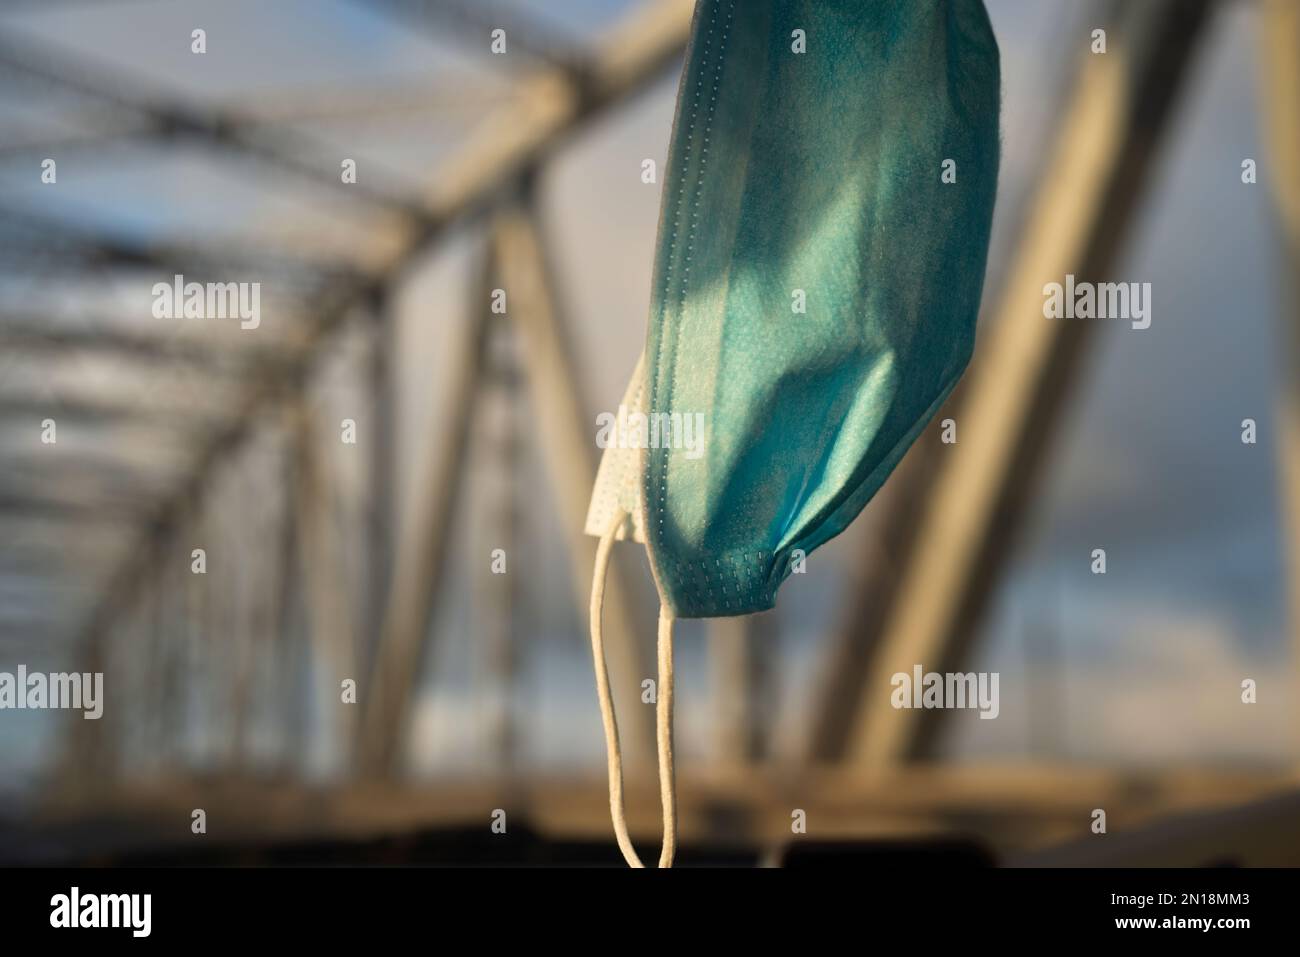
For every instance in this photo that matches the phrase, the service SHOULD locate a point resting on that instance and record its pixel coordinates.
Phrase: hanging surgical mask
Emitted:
(821, 254)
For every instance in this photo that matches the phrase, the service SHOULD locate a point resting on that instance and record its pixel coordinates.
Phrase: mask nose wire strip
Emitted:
(663, 712)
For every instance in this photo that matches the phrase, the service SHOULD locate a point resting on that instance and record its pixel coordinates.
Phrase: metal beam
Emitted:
(330, 621)
(30, 334)
(381, 479)
(498, 597)
(174, 586)
(58, 243)
(872, 580)
(44, 62)
(1010, 810)
(568, 448)
(549, 107)
(524, 32)
(286, 588)
(741, 650)
(102, 413)
(47, 506)
(422, 547)
(1026, 364)
(515, 263)
(646, 43)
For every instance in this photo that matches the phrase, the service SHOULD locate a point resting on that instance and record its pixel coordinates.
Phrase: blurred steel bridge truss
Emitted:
(953, 518)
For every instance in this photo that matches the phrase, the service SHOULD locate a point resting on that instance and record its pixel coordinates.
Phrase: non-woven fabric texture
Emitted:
(821, 254)
(618, 478)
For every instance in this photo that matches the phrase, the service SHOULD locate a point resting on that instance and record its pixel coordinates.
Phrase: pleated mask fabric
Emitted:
(821, 252)
(820, 261)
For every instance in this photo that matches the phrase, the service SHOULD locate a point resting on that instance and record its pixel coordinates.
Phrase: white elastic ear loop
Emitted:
(664, 737)
(663, 712)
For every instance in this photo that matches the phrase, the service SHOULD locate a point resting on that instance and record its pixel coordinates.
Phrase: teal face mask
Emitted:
(821, 255)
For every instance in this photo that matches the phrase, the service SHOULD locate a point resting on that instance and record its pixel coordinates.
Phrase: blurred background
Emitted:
(350, 466)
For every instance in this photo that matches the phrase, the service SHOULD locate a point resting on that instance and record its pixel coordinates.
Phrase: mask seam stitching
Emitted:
(651, 504)
(669, 276)
(657, 512)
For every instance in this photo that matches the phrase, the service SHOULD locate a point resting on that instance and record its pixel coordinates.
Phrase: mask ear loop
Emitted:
(663, 712)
